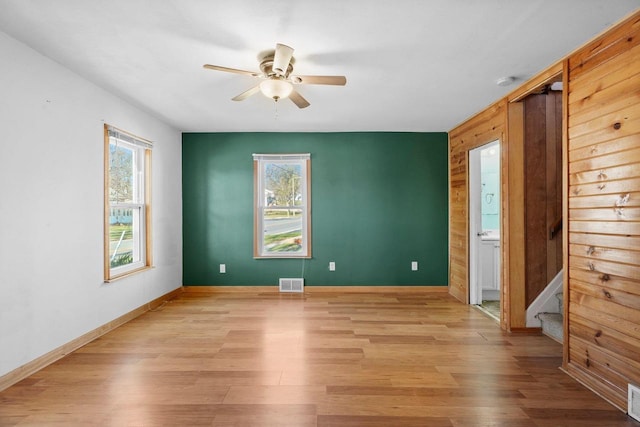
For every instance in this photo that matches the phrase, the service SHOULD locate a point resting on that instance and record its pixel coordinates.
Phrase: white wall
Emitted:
(51, 206)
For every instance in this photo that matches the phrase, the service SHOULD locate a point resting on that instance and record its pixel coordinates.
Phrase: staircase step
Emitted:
(560, 297)
(552, 325)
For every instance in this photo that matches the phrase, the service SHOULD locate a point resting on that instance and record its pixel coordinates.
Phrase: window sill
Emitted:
(128, 274)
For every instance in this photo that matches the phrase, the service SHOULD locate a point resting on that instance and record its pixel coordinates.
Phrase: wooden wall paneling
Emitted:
(596, 150)
(605, 120)
(600, 362)
(543, 189)
(535, 197)
(602, 388)
(481, 129)
(609, 45)
(603, 211)
(619, 172)
(505, 245)
(590, 327)
(623, 320)
(608, 241)
(613, 160)
(611, 227)
(458, 227)
(593, 357)
(606, 293)
(457, 224)
(515, 219)
(606, 267)
(617, 125)
(484, 127)
(608, 74)
(551, 74)
(602, 253)
(604, 201)
(603, 89)
(613, 187)
(565, 212)
(600, 171)
(604, 214)
(610, 100)
(554, 182)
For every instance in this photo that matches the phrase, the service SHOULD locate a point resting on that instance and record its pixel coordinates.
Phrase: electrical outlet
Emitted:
(223, 268)
(414, 265)
(332, 266)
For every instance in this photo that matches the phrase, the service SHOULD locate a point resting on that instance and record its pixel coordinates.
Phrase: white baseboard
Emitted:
(546, 301)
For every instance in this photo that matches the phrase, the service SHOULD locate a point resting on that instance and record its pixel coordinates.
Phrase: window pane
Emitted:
(282, 230)
(124, 236)
(121, 173)
(126, 222)
(281, 206)
(283, 227)
(282, 184)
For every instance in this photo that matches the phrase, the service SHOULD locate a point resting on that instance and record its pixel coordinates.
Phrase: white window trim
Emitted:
(260, 160)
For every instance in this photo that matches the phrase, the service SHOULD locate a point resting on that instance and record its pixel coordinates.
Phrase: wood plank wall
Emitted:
(481, 129)
(604, 212)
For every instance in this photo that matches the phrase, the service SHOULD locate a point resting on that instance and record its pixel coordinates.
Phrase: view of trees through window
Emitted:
(123, 217)
(127, 203)
(282, 220)
(282, 214)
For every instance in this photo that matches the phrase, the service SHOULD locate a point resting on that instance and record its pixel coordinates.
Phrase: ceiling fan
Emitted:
(276, 79)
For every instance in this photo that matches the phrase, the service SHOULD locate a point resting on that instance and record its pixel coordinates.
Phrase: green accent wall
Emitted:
(379, 201)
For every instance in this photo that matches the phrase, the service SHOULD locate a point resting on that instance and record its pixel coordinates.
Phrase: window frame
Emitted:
(259, 163)
(142, 233)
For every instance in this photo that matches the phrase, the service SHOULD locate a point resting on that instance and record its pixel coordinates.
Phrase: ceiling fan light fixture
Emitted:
(276, 79)
(276, 89)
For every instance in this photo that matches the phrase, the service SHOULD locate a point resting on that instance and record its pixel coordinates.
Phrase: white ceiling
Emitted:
(411, 65)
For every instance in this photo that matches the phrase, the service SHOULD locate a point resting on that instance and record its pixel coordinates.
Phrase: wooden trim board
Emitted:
(547, 76)
(317, 289)
(599, 388)
(527, 331)
(46, 359)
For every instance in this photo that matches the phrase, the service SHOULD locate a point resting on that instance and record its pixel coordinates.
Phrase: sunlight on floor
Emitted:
(492, 308)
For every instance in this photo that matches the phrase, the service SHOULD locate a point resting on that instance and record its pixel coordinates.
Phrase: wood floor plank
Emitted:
(317, 359)
(372, 421)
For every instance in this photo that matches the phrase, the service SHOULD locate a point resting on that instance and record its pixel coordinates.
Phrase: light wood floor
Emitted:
(315, 360)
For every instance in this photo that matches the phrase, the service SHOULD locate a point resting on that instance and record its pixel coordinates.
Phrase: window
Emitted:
(127, 199)
(282, 206)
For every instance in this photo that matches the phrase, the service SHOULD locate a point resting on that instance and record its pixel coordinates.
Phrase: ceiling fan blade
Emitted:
(281, 59)
(298, 99)
(247, 93)
(319, 80)
(231, 70)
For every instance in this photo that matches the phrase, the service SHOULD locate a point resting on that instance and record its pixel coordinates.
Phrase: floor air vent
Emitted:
(291, 285)
(633, 408)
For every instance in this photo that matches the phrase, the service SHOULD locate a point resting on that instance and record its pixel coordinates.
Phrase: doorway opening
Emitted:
(484, 228)
(542, 158)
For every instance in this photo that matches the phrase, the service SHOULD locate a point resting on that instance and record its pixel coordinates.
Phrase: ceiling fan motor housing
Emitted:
(266, 66)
